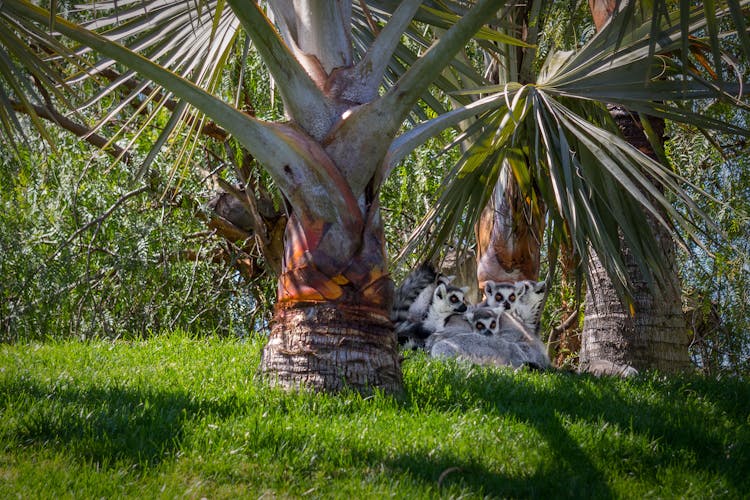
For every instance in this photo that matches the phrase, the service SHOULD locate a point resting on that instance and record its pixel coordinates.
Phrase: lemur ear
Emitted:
(464, 289)
(520, 288)
(440, 291)
(445, 279)
(488, 286)
(540, 287)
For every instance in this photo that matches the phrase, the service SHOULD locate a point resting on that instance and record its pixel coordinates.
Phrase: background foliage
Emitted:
(144, 269)
(716, 279)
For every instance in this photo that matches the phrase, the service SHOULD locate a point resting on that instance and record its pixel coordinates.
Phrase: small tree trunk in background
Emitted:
(511, 227)
(509, 236)
(655, 335)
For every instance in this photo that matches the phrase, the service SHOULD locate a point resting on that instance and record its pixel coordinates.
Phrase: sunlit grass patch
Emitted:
(177, 416)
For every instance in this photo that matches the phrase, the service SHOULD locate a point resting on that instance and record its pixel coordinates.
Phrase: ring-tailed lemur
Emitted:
(483, 320)
(490, 336)
(525, 312)
(412, 299)
(514, 330)
(482, 344)
(524, 299)
(479, 319)
(447, 305)
(502, 294)
(528, 307)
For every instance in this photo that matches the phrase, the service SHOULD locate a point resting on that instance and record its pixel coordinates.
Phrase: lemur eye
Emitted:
(454, 299)
(512, 297)
(499, 297)
(480, 325)
(493, 325)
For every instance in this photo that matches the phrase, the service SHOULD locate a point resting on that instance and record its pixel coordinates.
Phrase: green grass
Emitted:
(179, 417)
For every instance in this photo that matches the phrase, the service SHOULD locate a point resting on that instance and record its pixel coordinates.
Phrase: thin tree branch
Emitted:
(101, 218)
(368, 74)
(554, 336)
(80, 130)
(248, 203)
(368, 16)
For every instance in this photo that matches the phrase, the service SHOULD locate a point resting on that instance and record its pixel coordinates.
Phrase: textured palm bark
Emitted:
(331, 326)
(509, 235)
(653, 335)
(330, 347)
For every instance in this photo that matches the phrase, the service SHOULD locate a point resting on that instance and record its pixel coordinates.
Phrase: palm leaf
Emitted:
(595, 185)
(193, 39)
(33, 66)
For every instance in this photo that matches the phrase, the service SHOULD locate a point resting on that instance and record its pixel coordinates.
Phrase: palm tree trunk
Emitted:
(331, 328)
(653, 335)
(511, 227)
(331, 347)
(509, 236)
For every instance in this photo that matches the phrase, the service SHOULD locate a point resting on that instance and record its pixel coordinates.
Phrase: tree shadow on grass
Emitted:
(679, 429)
(145, 426)
(574, 475)
(102, 425)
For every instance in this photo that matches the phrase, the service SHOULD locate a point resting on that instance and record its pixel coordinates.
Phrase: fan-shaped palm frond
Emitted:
(562, 146)
(192, 39)
(33, 69)
(195, 39)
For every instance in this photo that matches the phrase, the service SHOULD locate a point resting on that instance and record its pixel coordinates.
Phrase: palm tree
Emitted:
(510, 229)
(350, 75)
(651, 332)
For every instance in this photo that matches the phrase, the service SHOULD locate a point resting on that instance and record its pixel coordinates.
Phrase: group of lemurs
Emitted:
(430, 313)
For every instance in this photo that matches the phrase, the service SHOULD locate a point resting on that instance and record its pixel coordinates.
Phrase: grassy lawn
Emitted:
(179, 417)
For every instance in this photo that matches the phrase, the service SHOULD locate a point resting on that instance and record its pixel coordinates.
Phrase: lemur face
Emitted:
(485, 327)
(484, 320)
(447, 298)
(503, 294)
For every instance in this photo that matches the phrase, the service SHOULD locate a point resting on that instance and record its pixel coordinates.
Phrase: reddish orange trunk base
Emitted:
(307, 284)
(331, 328)
(509, 234)
(331, 347)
